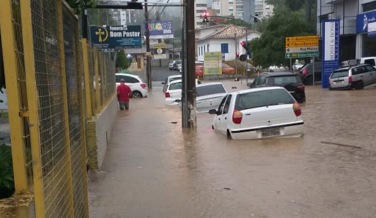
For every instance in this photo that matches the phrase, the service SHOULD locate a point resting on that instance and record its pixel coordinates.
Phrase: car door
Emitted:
(130, 81)
(364, 75)
(217, 118)
(372, 72)
(225, 117)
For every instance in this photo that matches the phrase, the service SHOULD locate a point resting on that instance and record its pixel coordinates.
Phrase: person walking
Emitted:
(123, 93)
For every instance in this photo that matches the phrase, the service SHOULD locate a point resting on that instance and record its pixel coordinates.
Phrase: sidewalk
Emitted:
(144, 173)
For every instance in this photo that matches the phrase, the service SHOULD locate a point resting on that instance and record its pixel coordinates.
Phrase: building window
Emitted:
(202, 5)
(369, 6)
(224, 48)
(207, 48)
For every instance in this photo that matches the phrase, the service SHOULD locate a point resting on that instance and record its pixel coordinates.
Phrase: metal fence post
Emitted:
(13, 92)
(89, 112)
(32, 97)
(65, 103)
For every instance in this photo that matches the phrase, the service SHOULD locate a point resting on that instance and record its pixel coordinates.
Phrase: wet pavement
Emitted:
(154, 169)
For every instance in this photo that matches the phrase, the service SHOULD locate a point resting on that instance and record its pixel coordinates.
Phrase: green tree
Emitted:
(121, 60)
(269, 49)
(77, 5)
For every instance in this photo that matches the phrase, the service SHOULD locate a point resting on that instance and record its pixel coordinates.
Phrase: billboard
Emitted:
(161, 30)
(362, 21)
(212, 63)
(330, 49)
(116, 36)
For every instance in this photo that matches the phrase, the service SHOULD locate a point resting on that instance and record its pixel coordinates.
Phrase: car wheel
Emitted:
(359, 85)
(308, 80)
(136, 94)
(228, 135)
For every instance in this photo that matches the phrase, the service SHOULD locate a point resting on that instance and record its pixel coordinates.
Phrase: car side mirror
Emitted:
(249, 85)
(213, 111)
(163, 83)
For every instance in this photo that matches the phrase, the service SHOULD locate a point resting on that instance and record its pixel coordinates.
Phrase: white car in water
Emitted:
(258, 113)
(209, 96)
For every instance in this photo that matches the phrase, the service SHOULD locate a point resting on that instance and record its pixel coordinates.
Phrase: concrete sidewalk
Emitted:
(143, 171)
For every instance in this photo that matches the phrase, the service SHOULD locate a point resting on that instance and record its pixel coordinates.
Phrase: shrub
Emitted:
(6, 172)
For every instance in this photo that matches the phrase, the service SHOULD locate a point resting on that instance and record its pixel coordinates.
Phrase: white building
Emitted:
(354, 15)
(262, 9)
(227, 40)
(200, 7)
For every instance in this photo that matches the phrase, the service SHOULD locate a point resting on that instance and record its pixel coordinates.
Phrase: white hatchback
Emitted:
(138, 87)
(258, 113)
(173, 92)
(168, 80)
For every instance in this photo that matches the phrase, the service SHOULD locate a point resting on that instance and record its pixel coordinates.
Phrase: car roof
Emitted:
(176, 81)
(273, 74)
(174, 76)
(125, 74)
(350, 67)
(258, 89)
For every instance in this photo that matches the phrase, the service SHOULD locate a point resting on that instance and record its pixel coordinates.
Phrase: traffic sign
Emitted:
(302, 49)
(302, 41)
(302, 55)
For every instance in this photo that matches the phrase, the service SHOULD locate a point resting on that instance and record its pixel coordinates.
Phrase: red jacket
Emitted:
(123, 92)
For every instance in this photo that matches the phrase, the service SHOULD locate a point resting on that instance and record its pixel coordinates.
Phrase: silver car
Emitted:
(352, 77)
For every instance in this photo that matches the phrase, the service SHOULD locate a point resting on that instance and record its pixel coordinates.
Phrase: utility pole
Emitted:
(189, 80)
(147, 42)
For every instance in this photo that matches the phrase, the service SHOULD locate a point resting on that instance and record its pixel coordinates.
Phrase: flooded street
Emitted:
(154, 169)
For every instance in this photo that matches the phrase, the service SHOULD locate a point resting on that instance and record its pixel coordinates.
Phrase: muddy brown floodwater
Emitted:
(153, 169)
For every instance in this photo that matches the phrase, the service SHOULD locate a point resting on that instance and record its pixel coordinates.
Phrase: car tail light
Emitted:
(350, 79)
(143, 85)
(167, 95)
(301, 87)
(297, 109)
(304, 72)
(237, 117)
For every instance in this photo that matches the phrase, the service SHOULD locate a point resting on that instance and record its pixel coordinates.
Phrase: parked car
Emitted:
(173, 65)
(136, 84)
(290, 81)
(226, 69)
(368, 60)
(168, 80)
(209, 96)
(306, 73)
(352, 77)
(180, 68)
(199, 72)
(176, 64)
(258, 113)
(173, 92)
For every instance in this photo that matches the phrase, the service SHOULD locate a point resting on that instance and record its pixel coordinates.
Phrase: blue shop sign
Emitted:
(362, 21)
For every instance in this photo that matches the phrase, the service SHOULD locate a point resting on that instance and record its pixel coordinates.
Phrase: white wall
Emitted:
(215, 46)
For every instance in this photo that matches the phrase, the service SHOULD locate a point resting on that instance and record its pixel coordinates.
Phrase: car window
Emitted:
(263, 98)
(355, 71)
(262, 80)
(227, 105)
(370, 61)
(370, 68)
(210, 90)
(225, 66)
(221, 106)
(283, 80)
(175, 86)
(118, 78)
(340, 73)
(129, 79)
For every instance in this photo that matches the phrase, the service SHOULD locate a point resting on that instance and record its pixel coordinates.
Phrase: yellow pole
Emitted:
(89, 112)
(13, 95)
(32, 97)
(65, 103)
(97, 93)
(103, 86)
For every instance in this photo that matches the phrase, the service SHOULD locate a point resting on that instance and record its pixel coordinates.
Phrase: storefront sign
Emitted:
(161, 30)
(362, 21)
(330, 49)
(213, 63)
(159, 51)
(372, 29)
(116, 36)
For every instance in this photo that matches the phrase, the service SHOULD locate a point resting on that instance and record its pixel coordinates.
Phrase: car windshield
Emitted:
(284, 80)
(263, 98)
(210, 90)
(340, 73)
(175, 86)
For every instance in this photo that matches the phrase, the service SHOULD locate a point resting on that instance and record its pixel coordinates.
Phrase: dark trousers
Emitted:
(124, 105)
